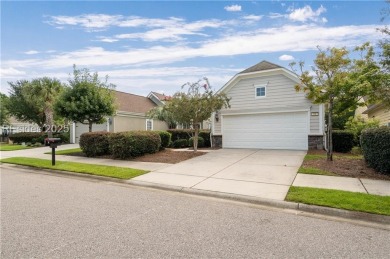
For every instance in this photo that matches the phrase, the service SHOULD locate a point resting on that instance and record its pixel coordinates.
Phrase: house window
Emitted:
(260, 91)
(149, 124)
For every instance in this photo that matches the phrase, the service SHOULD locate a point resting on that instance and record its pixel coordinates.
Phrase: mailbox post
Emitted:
(53, 143)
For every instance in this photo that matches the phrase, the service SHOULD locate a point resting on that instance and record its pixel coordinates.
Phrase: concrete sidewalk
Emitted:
(256, 173)
(378, 187)
(40, 153)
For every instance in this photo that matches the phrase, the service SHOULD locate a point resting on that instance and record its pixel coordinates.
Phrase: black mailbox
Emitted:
(53, 143)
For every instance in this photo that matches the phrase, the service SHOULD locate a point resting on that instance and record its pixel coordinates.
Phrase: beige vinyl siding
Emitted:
(382, 114)
(315, 120)
(280, 92)
(127, 123)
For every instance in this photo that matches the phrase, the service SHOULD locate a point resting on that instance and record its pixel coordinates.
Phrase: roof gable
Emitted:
(261, 66)
(264, 68)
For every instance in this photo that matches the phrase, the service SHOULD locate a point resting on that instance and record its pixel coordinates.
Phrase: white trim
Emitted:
(260, 112)
(146, 124)
(308, 125)
(268, 72)
(108, 124)
(160, 103)
(265, 91)
(321, 118)
(213, 123)
(74, 132)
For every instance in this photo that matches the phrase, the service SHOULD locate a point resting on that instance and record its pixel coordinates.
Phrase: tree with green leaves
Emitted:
(335, 79)
(23, 105)
(162, 114)
(33, 101)
(4, 113)
(196, 105)
(88, 99)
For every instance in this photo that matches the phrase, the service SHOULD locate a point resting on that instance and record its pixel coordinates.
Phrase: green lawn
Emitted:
(315, 157)
(12, 147)
(101, 170)
(341, 199)
(67, 151)
(312, 170)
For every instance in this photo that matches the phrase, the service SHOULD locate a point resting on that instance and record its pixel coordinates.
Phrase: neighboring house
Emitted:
(379, 112)
(130, 115)
(16, 126)
(267, 113)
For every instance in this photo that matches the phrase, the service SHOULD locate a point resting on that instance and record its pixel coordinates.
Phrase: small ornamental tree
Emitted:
(88, 100)
(338, 79)
(195, 105)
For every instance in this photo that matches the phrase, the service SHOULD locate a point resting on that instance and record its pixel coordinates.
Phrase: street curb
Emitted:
(346, 214)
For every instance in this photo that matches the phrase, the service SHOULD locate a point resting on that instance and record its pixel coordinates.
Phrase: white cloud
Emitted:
(233, 8)
(307, 14)
(11, 72)
(31, 52)
(275, 15)
(91, 22)
(286, 57)
(253, 17)
(277, 39)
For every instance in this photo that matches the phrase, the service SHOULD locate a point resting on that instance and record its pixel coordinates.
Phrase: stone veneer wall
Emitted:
(217, 141)
(316, 142)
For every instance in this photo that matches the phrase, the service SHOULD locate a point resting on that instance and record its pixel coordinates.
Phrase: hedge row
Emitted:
(37, 137)
(188, 133)
(123, 144)
(342, 140)
(134, 143)
(95, 143)
(375, 143)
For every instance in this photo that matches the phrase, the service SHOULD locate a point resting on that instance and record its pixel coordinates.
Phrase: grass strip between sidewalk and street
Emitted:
(66, 151)
(12, 147)
(100, 170)
(315, 171)
(354, 201)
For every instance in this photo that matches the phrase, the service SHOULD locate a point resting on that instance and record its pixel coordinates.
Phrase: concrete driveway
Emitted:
(257, 173)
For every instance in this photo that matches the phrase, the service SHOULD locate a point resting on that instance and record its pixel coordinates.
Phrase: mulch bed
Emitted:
(344, 166)
(165, 156)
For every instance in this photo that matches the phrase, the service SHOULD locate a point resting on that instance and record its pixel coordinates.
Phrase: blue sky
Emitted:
(158, 46)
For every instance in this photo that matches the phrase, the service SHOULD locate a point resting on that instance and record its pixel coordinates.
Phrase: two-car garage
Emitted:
(282, 130)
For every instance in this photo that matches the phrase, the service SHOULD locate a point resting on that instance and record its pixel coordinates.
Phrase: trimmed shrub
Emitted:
(375, 143)
(342, 141)
(205, 134)
(200, 142)
(37, 137)
(188, 133)
(27, 137)
(180, 133)
(95, 143)
(180, 143)
(165, 139)
(134, 143)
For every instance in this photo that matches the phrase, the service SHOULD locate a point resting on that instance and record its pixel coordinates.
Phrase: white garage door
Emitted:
(266, 131)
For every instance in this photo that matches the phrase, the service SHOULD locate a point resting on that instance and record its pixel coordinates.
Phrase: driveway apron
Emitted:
(257, 173)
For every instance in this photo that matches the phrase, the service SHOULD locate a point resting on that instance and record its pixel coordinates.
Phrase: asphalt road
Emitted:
(51, 216)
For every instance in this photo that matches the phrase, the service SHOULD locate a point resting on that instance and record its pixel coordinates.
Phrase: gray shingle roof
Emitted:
(263, 65)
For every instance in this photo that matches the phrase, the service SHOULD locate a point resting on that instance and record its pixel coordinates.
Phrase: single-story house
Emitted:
(267, 113)
(379, 112)
(131, 114)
